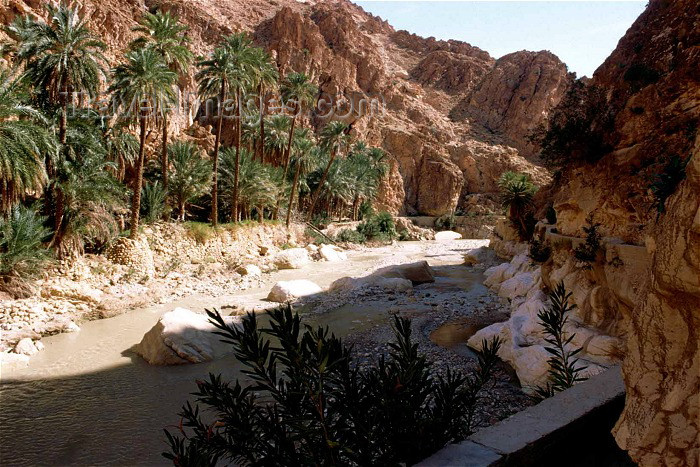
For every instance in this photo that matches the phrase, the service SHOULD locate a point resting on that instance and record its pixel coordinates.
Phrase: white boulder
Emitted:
(181, 336)
(332, 253)
(447, 235)
(26, 347)
(249, 270)
(518, 285)
(293, 258)
(285, 291)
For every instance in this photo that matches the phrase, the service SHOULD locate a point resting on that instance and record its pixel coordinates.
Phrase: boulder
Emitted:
(285, 291)
(293, 258)
(249, 270)
(478, 255)
(332, 253)
(181, 336)
(447, 235)
(418, 273)
(518, 285)
(10, 360)
(26, 347)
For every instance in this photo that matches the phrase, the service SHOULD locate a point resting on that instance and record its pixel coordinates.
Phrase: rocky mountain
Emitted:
(650, 88)
(454, 117)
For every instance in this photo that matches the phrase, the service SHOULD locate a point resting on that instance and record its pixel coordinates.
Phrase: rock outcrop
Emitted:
(661, 420)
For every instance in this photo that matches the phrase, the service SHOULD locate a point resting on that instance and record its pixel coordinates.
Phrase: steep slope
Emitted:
(440, 154)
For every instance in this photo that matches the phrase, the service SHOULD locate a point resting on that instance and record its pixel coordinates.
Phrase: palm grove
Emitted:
(67, 171)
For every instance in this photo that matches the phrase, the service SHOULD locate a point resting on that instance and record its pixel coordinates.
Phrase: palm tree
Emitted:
(89, 191)
(163, 33)
(517, 191)
(24, 143)
(59, 56)
(242, 75)
(259, 184)
(303, 158)
(190, 174)
(333, 139)
(265, 77)
(146, 81)
(226, 69)
(297, 93)
(278, 129)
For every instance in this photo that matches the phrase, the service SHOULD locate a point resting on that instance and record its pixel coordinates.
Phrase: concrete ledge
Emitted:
(531, 437)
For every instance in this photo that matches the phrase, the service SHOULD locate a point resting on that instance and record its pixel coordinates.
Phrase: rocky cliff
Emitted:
(455, 118)
(650, 86)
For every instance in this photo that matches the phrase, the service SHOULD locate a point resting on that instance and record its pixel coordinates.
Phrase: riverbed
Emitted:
(88, 399)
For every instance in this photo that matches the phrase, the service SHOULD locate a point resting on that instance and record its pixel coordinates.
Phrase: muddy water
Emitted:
(87, 399)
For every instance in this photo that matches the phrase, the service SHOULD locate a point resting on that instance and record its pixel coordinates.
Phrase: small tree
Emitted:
(310, 404)
(517, 191)
(190, 175)
(588, 251)
(564, 370)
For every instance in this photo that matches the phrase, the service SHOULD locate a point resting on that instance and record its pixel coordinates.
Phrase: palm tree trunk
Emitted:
(261, 142)
(215, 170)
(63, 124)
(164, 152)
(261, 214)
(234, 215)
(136, 196)
(317, 192)
(286, 157)
(291, 196)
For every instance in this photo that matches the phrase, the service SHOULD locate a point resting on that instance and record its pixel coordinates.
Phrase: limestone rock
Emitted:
(250, 270)
(418, 273)
(181, 336)
(285, 291)
(26, 347)
(447, 235)
(292, 258)
(332, 253)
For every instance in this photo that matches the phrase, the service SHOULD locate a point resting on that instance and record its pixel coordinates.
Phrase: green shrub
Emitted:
(22, 253)
(199, 231)
(588, 251)
(366, 210)
(350, 236)
(445, 222)
(539, 251)
(379, 227)
(665, 183)
(564, 370)
(153, 198)
(309, 403)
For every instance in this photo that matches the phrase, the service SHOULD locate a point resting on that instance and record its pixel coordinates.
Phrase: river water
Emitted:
(88, 400)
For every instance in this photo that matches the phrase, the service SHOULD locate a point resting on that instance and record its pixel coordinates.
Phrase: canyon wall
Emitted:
(651, 90)
(454, 117)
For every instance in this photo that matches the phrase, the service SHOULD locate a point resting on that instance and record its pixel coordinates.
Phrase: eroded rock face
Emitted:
(660, 424)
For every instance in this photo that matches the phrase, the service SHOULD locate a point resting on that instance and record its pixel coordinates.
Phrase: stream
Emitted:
(87, 399)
